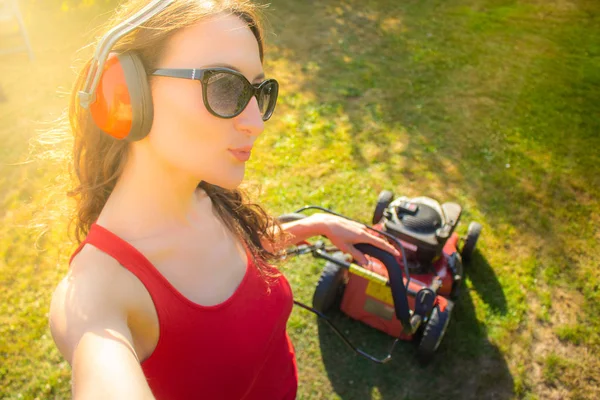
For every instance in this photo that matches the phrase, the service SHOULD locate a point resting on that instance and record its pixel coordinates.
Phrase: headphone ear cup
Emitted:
(123, 106)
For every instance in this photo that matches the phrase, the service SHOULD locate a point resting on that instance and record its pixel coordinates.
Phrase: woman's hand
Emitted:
(344, 234)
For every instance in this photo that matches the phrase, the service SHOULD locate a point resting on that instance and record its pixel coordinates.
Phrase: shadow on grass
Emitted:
(466, 365)
(486, 284)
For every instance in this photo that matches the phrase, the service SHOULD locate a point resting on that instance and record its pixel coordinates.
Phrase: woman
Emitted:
(170, 294)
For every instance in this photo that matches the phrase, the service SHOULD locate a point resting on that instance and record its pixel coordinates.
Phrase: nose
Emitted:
(250, 120)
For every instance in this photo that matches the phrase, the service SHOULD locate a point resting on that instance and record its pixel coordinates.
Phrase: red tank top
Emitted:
(238, 349)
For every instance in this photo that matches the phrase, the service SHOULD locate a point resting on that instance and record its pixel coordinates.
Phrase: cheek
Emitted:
(183, 131)
(179, 114)
(177, 104)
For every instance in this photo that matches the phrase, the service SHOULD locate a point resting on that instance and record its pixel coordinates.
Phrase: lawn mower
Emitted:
(410, 296)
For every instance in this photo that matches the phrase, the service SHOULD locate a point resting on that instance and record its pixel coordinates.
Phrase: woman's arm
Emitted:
(88, 321)
(342, 233)
(298, 231)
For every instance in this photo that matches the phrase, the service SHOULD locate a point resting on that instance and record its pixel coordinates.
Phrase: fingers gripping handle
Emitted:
(396, 282)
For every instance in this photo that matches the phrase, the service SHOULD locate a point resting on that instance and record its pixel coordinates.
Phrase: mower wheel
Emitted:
(433, 333)
(470, 241)
(383, 201)
(290, 217)
(330, 285)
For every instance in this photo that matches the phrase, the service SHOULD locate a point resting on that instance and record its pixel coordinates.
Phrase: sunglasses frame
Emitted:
(202, 76)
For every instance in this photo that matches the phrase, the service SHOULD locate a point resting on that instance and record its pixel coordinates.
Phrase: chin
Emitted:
(230, 182)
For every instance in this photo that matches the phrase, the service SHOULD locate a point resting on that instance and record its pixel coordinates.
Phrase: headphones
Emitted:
(116, 90)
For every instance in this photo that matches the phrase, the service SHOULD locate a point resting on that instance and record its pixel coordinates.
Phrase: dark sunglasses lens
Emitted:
(267, 99)
(227, 94)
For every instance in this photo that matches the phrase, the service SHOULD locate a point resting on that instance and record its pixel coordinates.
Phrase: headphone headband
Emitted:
(88, 95)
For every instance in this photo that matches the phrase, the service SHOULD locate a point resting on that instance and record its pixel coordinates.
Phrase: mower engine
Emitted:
(422, 224)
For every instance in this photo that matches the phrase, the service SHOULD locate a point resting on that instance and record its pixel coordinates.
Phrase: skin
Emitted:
(102, 318)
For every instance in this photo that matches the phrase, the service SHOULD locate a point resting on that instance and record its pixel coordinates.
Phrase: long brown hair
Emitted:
(98, 159)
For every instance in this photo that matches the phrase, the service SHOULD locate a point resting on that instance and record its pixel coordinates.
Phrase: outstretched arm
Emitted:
(88, 321)
(343, 234)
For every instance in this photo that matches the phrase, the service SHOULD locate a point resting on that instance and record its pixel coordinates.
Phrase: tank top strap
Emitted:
(134, 261)
(124, 253)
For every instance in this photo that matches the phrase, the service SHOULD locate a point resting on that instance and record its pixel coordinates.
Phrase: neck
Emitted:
(151, 197)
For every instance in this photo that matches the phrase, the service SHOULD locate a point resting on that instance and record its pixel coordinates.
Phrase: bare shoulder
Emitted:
(95, 294)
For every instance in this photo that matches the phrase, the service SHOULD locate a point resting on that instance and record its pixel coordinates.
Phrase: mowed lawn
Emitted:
(494, 104)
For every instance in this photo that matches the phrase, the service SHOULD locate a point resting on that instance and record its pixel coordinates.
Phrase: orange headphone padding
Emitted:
(112, 110)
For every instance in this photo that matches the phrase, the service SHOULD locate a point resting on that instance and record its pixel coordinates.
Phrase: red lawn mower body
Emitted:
(381, 295)
(372, 304)
(424, 229)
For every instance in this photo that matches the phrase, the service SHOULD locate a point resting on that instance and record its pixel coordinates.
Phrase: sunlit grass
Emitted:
(492, 104)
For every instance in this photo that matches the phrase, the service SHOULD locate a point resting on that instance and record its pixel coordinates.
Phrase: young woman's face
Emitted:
(184, 134)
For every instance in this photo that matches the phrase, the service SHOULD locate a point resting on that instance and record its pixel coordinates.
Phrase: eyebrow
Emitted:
(260, 76)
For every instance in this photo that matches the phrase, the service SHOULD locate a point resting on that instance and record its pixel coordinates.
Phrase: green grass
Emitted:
(489, 103)
(554, 367)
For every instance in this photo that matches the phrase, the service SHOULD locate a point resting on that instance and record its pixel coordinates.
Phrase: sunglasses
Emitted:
(227, 92)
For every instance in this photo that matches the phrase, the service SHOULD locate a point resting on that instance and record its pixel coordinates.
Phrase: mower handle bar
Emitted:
(387, 235)
(398, 289)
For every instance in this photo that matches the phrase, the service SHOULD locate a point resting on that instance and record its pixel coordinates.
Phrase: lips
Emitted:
(241, 155)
